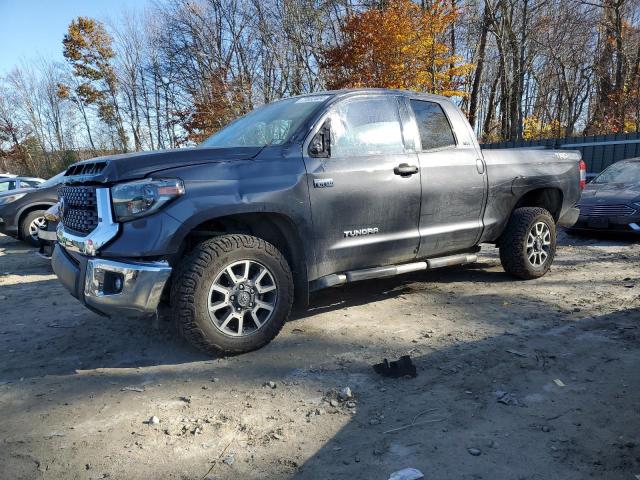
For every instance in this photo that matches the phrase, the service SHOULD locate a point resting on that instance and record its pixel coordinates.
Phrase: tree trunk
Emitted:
(477, 79)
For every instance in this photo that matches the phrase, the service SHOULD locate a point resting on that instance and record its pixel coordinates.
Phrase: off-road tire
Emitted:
(25, 235)
(513, 244)
(194, 277)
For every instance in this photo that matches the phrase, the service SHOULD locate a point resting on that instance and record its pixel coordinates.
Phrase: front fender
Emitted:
(272, 184)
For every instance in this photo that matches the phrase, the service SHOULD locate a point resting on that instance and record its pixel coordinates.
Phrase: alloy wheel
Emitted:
(538, 244)
(36, 224)
(242, 298)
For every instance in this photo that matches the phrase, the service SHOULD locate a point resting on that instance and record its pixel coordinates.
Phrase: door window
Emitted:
(28, 183)
(366, 126)
(434, 128)
(8, 185)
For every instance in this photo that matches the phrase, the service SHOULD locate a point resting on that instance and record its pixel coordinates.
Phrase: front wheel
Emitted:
(232, 294)
(29, 227)
(528, 244)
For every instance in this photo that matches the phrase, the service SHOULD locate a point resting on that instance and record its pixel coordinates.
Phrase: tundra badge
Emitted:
(360, 232)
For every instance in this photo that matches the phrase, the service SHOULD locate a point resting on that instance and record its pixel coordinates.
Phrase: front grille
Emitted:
(620, 210)
(80, 211)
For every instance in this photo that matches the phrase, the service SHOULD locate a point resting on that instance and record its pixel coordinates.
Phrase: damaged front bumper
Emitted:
(112, 287)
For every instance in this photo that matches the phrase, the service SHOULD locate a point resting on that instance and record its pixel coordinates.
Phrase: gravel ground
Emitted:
(516, 380)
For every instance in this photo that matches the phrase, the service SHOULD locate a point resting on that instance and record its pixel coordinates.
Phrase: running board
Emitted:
(391, 270)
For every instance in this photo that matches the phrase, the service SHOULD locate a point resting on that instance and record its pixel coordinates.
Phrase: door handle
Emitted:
(405, 170)
(480, 166)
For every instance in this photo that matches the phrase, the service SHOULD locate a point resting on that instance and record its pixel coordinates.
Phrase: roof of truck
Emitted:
(389, 91)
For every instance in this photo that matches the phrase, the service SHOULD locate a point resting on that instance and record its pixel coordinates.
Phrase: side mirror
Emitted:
(320, 145)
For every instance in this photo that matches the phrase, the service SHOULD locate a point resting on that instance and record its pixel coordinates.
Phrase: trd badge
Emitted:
(323, 182)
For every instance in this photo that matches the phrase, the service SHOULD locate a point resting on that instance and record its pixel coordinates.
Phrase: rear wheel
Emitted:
(232, 294)
(29, 227)
(528, 244)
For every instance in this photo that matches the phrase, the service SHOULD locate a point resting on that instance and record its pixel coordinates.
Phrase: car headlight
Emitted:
(637, 204)
(11, 198)
(143, 197)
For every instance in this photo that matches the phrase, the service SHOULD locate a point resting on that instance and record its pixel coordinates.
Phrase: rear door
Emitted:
(454, 179)
(365, 198)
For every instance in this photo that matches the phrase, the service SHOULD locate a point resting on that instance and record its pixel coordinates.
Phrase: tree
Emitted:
(213, 107)
(13, 136)
(87, 46)
(397, 46)
(534, 129)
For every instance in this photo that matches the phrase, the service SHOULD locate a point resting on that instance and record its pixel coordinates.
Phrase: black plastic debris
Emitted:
(404, 367)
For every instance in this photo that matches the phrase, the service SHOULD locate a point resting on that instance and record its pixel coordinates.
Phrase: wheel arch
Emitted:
(276, 228)
(24, 211)
(549, 198)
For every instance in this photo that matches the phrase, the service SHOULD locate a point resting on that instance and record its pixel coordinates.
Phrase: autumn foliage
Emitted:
(399, 46)
(214, 106)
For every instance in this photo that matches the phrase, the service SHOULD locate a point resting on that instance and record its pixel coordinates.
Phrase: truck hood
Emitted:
(610, 193)
(132, 166)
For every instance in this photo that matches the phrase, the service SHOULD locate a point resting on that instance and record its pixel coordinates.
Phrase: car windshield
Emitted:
(272, 124)
(56, 179)
(623, 172)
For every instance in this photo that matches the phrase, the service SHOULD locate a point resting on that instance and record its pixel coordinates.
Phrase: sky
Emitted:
(30, 29)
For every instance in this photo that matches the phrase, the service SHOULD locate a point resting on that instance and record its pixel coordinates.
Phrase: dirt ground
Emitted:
(516, 380)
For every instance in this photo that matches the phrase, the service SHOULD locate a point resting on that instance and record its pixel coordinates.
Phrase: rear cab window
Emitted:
(433, 126)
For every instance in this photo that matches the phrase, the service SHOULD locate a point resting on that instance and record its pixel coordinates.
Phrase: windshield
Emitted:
(56, 179)
(272, 124)
(628, 172)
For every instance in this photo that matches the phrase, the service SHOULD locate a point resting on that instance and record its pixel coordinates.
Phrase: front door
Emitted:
(365, 197)
(454, 180)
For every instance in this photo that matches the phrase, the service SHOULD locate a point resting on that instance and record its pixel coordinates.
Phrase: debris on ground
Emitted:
(403, 367)
(559, 382)
(154, 420)
(415, 422)
(345, 393)
(407, 474)
(132, 389)
(506, 398)
(476, 452)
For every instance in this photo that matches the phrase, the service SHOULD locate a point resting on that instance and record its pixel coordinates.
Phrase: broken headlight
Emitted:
(143, 197)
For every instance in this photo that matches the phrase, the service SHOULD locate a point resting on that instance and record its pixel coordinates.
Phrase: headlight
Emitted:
(637, 204)
(11, 198)
(143, 197)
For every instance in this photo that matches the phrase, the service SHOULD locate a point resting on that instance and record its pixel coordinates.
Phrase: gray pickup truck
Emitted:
(301, 194)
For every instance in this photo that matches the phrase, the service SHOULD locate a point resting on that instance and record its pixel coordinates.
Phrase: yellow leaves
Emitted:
(397, 47)
(533, 128)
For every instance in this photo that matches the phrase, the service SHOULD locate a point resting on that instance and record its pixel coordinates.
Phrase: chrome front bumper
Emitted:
(113, 288)
(140, 291)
